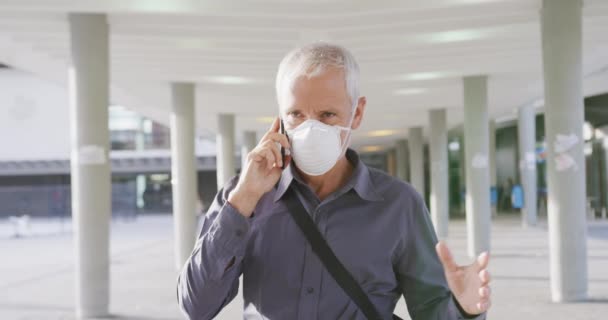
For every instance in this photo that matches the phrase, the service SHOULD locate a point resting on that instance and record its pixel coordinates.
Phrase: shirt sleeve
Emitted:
(420, 273)
(208, 280)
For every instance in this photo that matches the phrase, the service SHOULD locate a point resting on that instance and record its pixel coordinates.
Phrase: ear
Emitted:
(359, 112)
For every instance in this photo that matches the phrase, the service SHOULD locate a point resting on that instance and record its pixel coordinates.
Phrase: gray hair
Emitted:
(311, 60)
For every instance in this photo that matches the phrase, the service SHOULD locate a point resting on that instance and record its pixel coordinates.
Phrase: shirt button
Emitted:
(310, 290)
(239, 233)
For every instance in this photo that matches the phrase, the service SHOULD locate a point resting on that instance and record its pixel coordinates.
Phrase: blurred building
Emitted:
(35, 165)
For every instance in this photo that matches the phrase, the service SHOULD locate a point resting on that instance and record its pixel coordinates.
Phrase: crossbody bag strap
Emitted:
(333, 265)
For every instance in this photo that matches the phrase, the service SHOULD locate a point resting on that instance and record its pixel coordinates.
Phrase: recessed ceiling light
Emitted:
(381, 133)
(419, 76)
(409, 91)
(371, 148)
(265, 119)
(454, 36)
(475, 1)
(230, 80)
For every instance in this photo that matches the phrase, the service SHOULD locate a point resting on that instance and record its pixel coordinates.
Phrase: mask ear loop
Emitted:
(349, 129)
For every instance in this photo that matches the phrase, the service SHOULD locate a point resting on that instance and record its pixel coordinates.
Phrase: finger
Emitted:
(484, 276)
(280, 138)
(272, 147)
(261, 154)
(255, 156)
(445, 256)
(482, 261)
(270, 157)
(483, 301)
(276, 152)
(484, 292)
(274, 128)
(483, 306)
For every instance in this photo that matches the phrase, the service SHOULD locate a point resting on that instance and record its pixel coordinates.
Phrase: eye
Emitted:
(328, 115)
(294, 114)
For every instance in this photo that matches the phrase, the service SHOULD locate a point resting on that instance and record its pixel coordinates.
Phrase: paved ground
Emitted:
(36, 273)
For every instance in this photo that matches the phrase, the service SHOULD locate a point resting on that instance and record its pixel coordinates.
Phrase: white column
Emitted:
(416, 153)
(250, 141)
(140, 179)
(183, 170)
(526, 132)
(476, 142)
(561, 22)
(492, 158)
(90, 166)
(438, 145)
(225, 149)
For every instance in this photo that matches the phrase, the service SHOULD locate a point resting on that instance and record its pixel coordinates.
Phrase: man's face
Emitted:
(324, 98)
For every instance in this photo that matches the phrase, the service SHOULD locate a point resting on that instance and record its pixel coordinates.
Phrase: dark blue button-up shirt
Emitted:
(378, 226)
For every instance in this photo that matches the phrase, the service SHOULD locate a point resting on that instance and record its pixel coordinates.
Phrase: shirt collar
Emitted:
(360, 180)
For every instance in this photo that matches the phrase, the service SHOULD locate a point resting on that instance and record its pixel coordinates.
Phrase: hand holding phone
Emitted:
(263, 169)
(282, 131)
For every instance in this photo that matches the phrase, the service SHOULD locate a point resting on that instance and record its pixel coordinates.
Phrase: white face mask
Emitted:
(316, 146)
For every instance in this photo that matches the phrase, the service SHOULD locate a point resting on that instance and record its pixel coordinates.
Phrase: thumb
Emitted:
(445, 256)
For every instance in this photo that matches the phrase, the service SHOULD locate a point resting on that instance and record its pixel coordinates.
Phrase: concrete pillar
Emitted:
(90, 166)
(183, 170)
(526, 132)
(225, 149)
(402, 159)
(416, 153)
(438, 149)
(477, 142)
(140, 189)
(250, 141)
(492, 158)
(561, 22)
(140, 179)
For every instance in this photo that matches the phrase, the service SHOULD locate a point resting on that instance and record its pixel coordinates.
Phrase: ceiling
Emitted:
(413, 53)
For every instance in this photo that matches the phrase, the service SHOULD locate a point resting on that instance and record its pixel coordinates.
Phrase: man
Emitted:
(377, 226)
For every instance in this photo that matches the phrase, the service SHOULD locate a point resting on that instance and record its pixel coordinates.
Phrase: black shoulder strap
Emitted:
(344, 279)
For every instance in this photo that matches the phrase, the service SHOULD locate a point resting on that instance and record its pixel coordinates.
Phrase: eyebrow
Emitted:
(323, 110)
(291, 109)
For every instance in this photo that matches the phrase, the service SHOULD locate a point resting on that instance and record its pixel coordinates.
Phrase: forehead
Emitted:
(326, 89)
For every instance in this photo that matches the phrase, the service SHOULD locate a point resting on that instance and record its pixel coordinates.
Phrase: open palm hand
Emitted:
(469, 284)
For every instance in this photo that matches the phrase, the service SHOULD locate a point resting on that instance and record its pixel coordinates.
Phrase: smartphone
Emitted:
(282, 131)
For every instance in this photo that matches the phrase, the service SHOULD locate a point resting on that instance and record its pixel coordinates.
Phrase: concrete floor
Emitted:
(36, 273)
